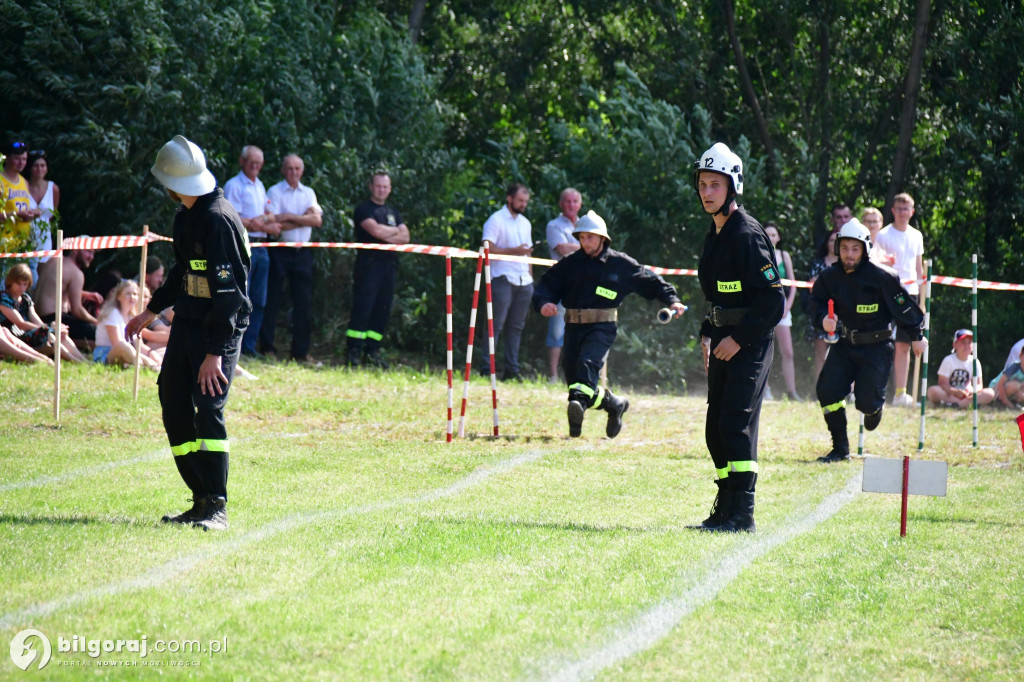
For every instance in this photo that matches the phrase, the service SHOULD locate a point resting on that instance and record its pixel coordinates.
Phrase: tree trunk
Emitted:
(911, 89)
(416, 20)
(824, 105)
(746, 84)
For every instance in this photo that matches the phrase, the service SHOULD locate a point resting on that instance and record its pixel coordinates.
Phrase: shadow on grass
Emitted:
(74, 520)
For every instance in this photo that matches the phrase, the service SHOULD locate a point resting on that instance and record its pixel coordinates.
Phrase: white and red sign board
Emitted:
(886, 476)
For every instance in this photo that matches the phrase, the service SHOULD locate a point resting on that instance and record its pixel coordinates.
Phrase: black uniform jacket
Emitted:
(209, 242)
(738, 270)
(581, 281)
(865, 300)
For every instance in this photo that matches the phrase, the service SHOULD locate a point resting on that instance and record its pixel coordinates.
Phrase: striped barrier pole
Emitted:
(448, 330)
(469, 345)
(924, 359)
(974, 354)
(860, 436)
(490, 333)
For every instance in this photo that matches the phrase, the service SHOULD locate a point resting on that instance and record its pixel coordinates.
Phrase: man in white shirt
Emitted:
(247, 195)
(561, 243)
(906, 244)
(508, 233)
(296, 210)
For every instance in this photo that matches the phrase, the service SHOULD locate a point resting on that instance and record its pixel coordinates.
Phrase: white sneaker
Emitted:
(903, 400)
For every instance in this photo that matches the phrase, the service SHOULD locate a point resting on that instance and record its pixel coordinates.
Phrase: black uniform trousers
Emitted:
(865, 368)
(194, 422)
(295, 265)
(735, 393)
(584, 351)
(373, 293)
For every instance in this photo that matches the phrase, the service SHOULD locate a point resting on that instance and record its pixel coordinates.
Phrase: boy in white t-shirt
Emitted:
(957, 381)
(906, 244)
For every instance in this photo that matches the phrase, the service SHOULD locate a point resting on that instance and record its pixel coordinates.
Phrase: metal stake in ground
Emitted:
(490, 333)
(918, 477)
(469, 345)
(448, 329)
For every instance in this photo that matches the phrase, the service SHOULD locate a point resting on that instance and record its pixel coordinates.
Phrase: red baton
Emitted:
(832, 337)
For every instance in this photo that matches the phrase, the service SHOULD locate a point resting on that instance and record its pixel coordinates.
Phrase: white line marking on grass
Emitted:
(87, 471)
(163, 453)
(174, 568)
(648, 628)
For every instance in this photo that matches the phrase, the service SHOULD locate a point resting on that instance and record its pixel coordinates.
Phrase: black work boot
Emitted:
(871, 421)
(836, 422)
(190, 516)
(372, 358)
(575, 414)
(741, 513)
(352, 358)
(615, 407)
(719, 509)
(215, 515)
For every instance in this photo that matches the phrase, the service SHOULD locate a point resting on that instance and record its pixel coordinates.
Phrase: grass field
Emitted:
(363, 546)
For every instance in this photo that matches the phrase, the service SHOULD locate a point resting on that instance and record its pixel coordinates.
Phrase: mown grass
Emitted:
(362, 546)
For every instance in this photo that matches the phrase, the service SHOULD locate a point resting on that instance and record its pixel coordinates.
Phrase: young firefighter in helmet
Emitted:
(740, 280)
(867, 299)
(207, 287)
(591, 284)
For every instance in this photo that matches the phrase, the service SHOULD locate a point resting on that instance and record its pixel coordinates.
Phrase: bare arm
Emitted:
(76, 280)
(524, 250)
(790, 274)
(565, 248)
(15, 318)
(397, 234)
(311, 218)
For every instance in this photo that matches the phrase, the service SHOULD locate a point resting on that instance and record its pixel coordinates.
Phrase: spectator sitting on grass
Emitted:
(1009, 385)
(957, 382)
(20, 317)
(111, 346)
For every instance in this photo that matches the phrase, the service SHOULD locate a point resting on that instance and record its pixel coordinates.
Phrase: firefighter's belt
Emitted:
(591, 315)
(856, 338)
(725, 317)
(196, 285)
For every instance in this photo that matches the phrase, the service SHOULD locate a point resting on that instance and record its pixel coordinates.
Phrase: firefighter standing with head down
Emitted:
(740, 280)
(207, 286)
(867, 299)
(591, 284)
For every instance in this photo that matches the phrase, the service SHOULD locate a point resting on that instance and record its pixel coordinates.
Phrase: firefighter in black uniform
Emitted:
(867, 298)
(740, 280)
(591, 284)
(207, 286)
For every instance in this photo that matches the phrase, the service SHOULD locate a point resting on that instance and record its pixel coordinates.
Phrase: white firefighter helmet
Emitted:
(854, 229)
(594, 224)
(181, 167)
(721, 159)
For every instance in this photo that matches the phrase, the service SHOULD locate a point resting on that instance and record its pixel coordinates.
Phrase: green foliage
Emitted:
(616, 98)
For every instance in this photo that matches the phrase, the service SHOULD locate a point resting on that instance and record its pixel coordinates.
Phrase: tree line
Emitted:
(826, 102)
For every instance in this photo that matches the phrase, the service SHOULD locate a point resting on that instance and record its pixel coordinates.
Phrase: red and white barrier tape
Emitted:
(126, 241)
